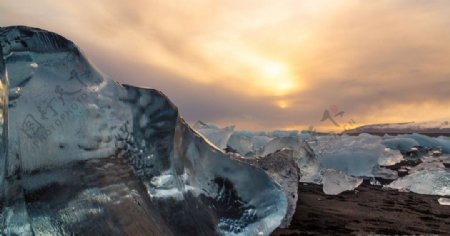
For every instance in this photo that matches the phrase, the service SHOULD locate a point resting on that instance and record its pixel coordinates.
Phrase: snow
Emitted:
(408, 127)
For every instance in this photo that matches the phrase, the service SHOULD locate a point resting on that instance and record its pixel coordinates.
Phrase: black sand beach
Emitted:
(368, 211)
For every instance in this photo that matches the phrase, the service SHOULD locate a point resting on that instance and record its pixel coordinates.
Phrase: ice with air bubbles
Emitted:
(81, 153)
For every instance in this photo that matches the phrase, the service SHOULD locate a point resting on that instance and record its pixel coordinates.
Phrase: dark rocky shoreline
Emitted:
(370, 210)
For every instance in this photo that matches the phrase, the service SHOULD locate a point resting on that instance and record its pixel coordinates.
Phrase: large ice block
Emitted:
(355, 155)
(87, 155)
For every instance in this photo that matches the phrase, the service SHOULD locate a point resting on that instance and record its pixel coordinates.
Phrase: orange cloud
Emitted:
(378, 60)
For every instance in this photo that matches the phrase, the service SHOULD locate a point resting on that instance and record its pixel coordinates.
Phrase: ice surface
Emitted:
(86, 154)
(283, 168)
(355, 155)
(246, 143)
(336, 182)
(444, 201)
(3, 123)
(215, 135)
(401, 144)
(389, 157)
(405, 142)
(302, 153)
(428, 181)
(242, 144)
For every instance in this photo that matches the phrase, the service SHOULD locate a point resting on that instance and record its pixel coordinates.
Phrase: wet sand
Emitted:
(368, 211)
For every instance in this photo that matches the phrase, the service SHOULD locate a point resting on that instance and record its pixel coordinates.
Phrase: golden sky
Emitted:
(265, 65)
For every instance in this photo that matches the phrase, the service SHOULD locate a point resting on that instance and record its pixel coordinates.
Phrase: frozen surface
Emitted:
(215, 135)
(355, 155)
(302, 153)
(429, 181)
(336, 182)
(249, 144)
(86, 154)
(401, 144)
(405, 142)
(444, 201)
(241, 144)
(283, 169)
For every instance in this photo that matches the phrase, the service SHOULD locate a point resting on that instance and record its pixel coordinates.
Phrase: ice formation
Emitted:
(433, 181)
(282, 167)
(402, 144)
(302, 153)
(429, 177)
(444, 201)
(336, 182)
(355, 155)
(218, 137)
(241, 144)
(406, 141)
(246, 143)
(87, 154)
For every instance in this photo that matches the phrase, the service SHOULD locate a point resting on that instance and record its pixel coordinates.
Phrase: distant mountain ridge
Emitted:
(432, 128)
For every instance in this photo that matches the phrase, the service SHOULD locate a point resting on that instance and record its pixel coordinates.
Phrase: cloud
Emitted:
(266, 65)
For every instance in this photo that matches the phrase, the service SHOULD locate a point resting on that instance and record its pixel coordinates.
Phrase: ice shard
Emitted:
(283, 168)
(302, 153)
(82, 154)
(336, 182)
(217, 136)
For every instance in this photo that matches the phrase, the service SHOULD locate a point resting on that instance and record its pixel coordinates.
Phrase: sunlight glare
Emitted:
(277, 77)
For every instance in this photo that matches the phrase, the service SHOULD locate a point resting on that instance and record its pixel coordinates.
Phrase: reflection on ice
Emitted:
(86, 154)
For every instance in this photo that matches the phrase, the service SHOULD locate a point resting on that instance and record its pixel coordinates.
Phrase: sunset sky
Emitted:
(264, 65)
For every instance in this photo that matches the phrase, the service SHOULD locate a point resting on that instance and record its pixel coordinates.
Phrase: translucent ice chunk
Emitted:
(355, 155)
(88, 155)
(432, 182)
(336, 182)
(444, 201)
(406, 141)
(389, 157)
(401, 144)
(217, 136)
(259, 141)
(242, 144)
(283, 169)
(303, 155)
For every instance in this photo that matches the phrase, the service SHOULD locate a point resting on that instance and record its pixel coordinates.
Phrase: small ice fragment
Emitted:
(336, 182)
(444, 201)
(375, 182)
